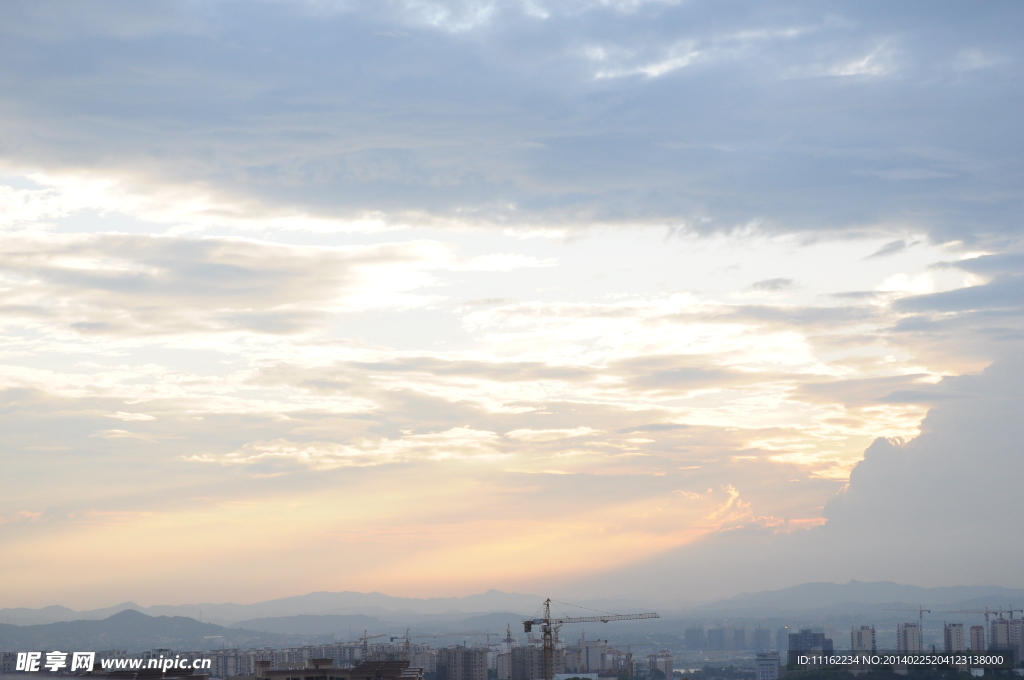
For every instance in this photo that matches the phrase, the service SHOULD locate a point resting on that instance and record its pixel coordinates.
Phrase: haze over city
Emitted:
(637, 301)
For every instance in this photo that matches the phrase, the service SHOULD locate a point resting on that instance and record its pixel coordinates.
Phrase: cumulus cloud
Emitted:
(933, 505)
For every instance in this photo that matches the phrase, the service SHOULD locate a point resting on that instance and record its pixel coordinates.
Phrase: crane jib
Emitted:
(551, 625)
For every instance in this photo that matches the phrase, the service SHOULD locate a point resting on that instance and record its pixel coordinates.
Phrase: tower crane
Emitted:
(986, 611)
(366, 640)
(407, 644)
(921, 611)
(549, 626)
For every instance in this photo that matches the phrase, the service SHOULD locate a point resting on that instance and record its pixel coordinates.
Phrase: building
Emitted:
(660, 662)
(616, 661)
(424, 657)
(767, 666)
(592, 656)
(1006, 634)
(527, 663)
(323, 669)
(694, 639)
(8, 662)
(503, 666)
(462, 663)
(908, 637)
(716, 639)
(782, 639)
(1017, 636)
(863, 639)
(762, 640)
(739, 639)
(977, 638)
(808, 641)
(953, 637)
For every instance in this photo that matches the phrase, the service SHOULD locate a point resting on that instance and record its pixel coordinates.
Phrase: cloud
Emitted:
(453, 444)
(294, 251)
(1003, 292)
(773, 284)
(121, 415)
(909, 500)
(890, 248)
(122, 284)
(551, 435)
(439, 118)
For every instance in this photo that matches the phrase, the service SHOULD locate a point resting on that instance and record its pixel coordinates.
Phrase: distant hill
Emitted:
(132, 631)
(859, 596)
(385, 607)
(344, 615)
(349, 625)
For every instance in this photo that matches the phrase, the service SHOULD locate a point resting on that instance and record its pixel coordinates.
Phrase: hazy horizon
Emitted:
(662, 300)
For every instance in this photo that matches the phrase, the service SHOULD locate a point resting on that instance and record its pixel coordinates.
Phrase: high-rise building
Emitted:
(739, 639)
(463, 663)
(503, 665)
(953, 637)
(716, 639)
(661, 662)
(762, 639)
(977, 638)
(809, 641)
(592, 656)
(998, 634)
(908, 637)
(1017, 636)
(863, 639)
(695, 639)
(767, 666)
(528, 662)
(782, 639)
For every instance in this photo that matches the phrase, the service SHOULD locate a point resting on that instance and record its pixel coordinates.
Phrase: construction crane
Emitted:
(550, 626)
(986, 611)
(921, 611)
(629, 656)
(407, 644)
(366, 642)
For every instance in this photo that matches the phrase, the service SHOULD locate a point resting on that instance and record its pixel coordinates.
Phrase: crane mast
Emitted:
(549, 628)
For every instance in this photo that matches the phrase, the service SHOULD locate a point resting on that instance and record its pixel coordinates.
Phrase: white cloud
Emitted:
(454, 444)
(550, 435)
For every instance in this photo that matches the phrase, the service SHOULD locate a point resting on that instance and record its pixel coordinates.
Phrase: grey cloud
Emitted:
(144, 284)
(889, 249)
(484, 106)
(1003, 263)
(654, 427)
(773, 284)
(1004, 292)
(858, 295)
(800, 316)
(671, 373)
(869, 391)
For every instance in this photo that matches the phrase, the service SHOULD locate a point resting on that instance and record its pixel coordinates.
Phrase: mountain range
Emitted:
(346, 614)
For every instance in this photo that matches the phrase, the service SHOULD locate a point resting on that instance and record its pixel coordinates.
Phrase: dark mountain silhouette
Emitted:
(129, 630)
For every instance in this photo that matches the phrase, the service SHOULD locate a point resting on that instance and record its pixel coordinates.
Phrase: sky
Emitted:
(611, 298)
